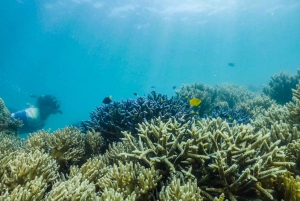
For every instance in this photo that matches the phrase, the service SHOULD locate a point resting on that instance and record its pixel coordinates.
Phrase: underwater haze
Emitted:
(84, 50)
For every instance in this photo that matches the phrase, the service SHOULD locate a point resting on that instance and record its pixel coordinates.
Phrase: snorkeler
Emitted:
(34, 118)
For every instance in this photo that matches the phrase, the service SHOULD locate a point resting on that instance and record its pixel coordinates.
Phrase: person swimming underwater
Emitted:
(34, 118)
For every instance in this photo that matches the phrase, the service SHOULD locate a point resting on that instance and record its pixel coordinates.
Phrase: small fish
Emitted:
(174, 87)
(195, 102)
(135, 94)
(32, 96)
(231, 64)
(107, 100)
(152, 87)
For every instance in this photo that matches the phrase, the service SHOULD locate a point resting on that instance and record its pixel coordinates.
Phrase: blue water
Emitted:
(84, 50)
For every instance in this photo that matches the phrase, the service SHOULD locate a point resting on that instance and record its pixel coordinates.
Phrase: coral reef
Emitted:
(280, 87)
(125, 115)
(155, 148)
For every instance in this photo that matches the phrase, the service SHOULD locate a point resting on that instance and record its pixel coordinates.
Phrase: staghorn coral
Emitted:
(266, 118)
(232, 95)
(67, 146)
(286, 186)
(292, 152)
(94, 169)
(294, 108)
(113, 195)
(283, 132)
(291, 187)
(9, 143)
(75, 189)
(280, 87)
(256, 105)
(38, 140)
(224, 159)
(32, 190)
(125, 115)
(178, 190)
(131, 180)
(19, 168)
(94, 143)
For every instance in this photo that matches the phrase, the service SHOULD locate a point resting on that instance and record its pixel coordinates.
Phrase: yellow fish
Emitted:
(195, 102)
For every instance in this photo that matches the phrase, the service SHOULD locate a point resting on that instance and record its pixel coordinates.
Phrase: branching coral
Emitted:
(94, 169)
(116, 117)
(223, 159)
(256, 105)
(94, 143)
(232, 95)
(292, 152)
(131, 180)
(9, 144)
(32, 190)
(291, 187)
(197, 90)
(220, 96)
(267, 118)
(280, 87)
(67, 146)
(75, 189)
(178, 190)
(294, 108)
(19, 168)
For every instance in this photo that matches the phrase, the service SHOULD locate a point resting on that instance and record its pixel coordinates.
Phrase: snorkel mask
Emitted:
(49, 103)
